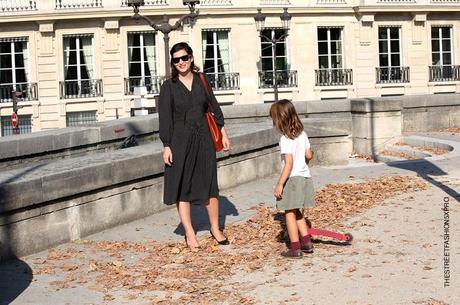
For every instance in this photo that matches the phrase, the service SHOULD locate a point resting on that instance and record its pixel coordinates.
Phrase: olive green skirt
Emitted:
(298, 193)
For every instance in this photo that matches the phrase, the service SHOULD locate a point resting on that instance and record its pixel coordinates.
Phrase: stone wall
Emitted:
(46, 203)
(430, 112)
(65, 184)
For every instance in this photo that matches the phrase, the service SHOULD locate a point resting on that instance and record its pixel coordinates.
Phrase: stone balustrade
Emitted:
(17, 5)
(148, 2)
(78, 4)
(215, 2)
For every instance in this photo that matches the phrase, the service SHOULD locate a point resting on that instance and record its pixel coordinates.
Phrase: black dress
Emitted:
(183, 127)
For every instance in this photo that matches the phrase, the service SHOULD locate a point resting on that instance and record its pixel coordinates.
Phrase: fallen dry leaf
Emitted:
(170, 267)
(352, 269)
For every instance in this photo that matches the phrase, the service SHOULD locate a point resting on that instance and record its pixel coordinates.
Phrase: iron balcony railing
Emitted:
(71, 4)
(29, 92)
(444, 73)
(390, 75)
(152, 83)
(148, 2)
(224, 81)
(17, 5)
(285, 79)
(70, 89)
(333, 77)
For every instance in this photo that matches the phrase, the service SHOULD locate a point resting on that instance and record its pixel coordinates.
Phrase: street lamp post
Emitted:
(164, 27)
(260, 21)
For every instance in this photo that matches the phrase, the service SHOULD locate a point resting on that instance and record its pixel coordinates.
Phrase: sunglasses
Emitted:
(176, 60)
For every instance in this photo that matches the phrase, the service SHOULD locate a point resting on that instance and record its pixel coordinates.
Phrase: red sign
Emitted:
(14, 120)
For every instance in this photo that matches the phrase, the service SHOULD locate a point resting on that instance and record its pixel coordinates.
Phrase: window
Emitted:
(216, 53)
(389, 47)
(277, 58)
(330, 52)
(216, 59)
(441, 54)
(79, 71)
(331, 70)
(80, 118)
(78, 58)
(142, 61)
(25, 125)
(13, 67)
(150, 110)
(267, 56)
(390, 61)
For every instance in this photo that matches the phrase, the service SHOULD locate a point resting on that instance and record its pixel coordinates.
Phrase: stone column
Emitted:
(376, 122)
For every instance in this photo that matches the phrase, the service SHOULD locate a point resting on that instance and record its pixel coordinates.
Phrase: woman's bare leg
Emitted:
(183, 208)
(213, 212)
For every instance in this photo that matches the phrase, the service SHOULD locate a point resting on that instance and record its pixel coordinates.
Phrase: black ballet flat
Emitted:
(223, 242)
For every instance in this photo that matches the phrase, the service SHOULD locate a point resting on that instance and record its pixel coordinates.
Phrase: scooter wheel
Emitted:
(349, 238)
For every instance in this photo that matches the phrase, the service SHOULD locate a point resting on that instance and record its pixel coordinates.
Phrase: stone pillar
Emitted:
(376, 121)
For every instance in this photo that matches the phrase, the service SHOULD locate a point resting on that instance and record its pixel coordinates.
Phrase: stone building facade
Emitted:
(78, 61)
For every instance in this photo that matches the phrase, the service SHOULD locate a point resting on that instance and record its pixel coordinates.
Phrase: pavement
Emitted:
(397, 256)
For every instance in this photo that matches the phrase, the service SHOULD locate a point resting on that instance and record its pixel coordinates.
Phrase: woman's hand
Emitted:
(278, 191)
(167, 156)
(226, 143)
(225, 140)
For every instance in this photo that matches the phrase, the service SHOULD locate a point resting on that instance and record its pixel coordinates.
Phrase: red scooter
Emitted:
(346, 238)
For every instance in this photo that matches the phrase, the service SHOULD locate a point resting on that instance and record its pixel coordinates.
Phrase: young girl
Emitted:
(294, 189)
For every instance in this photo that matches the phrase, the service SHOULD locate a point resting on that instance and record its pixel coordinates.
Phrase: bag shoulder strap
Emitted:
(205, 84)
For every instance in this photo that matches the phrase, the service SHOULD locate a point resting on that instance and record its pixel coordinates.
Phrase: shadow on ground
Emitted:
(200, 218)
(427, 170)
(15, 277)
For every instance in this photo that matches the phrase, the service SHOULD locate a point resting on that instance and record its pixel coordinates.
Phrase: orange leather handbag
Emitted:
(216, 134)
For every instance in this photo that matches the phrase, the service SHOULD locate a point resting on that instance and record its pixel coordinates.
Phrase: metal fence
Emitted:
(334, 77)
(29, 92)
(388, 75)
(444, 73)
(224, 81)
(152, 83)
(70, 89)
(80, 118)
(24, 126)
(284, 79)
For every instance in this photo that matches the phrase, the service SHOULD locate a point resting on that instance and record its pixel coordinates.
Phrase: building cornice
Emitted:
(100, 13)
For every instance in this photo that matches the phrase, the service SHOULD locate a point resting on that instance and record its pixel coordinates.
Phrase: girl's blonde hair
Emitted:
(286, 119)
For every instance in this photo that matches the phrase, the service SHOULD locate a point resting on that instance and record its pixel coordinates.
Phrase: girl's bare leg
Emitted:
(183, 208)
(301, 224)
(291, 224)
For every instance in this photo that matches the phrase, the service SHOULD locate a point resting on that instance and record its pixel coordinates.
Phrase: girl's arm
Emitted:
(288, 162)
(308, 154)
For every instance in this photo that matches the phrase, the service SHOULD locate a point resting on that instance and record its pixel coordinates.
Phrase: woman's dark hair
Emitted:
(178, 47)
(286, 119)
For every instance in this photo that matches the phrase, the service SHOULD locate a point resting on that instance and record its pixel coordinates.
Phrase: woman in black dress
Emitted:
(189, 154)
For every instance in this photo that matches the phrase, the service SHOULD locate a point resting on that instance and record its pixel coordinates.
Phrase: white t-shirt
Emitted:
(297, 148)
